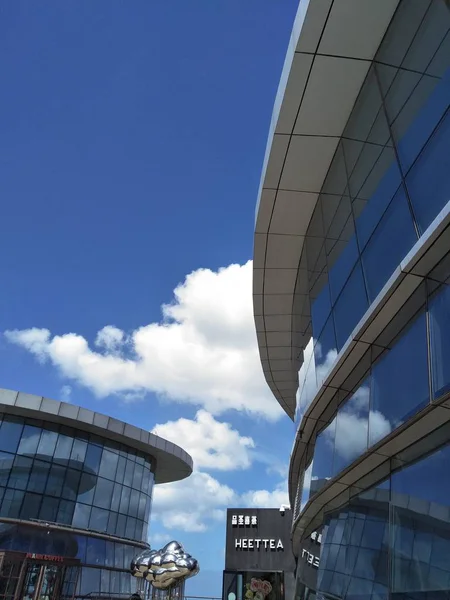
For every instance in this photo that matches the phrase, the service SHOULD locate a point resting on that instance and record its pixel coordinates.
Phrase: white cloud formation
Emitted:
(191, 504)
(196, 502)
(211, 443)
(204, 352)
(110, 338)
(65, 393)
(266, 498)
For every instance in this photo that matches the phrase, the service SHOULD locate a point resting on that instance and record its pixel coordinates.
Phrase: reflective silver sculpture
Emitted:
(165, 568)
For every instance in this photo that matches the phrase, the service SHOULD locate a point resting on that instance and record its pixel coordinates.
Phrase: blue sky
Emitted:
(133, 135)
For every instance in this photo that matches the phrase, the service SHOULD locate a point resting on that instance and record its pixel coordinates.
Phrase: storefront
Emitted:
(259, 564)
(29, 576)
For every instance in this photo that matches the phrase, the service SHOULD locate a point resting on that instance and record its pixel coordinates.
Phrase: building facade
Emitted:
(259, 564)
(75, 498)
(351, 293)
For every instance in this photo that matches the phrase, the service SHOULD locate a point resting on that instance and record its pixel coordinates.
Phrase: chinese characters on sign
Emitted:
(244, 520)
(253, 543)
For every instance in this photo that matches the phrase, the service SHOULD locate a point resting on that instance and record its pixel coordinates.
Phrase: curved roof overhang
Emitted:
(331, 49)
(170, 462)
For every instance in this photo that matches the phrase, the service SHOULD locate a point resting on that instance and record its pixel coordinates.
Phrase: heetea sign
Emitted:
(249, 542)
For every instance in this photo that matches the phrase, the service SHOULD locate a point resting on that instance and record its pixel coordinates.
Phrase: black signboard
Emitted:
(259, 540)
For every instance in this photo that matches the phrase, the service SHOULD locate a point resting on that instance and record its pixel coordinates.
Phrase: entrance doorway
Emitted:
(37, 577)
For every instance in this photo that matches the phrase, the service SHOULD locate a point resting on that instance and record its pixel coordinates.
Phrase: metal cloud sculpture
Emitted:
(166, 567)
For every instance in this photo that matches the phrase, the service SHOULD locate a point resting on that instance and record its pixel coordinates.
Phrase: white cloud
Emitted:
(196, 502)
(266, 498)
(110, 338)
(211, 443)
(204, 352)
(65, 393)
(192, 504)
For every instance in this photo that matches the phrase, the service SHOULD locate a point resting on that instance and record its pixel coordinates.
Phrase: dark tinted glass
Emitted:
(352, 424)
(395, 397)
(10, 432)
(62, 483)
(350, 307)
(439, 311)
(428, 181)
(322, 468)
(392, 239)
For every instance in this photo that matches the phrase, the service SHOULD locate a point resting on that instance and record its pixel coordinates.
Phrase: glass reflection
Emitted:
(55, 477)
(395, 398)
(352, 425)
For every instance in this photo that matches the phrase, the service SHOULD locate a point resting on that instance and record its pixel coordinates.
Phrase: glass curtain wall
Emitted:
(386, 184)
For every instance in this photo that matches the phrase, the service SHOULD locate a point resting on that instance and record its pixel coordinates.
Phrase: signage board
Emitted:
(259, 540)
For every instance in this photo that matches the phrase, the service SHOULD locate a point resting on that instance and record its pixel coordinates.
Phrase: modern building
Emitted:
(259, 563)
(75, 498)
(351, 294)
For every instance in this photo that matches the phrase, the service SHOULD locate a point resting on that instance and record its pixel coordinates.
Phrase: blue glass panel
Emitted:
(352, 424)
(428, 181)
(325, 352)
(391, 241)
(377, 204)
(30, 440)
(395, 397)
(350, 307)
(342, 268)
(320, 310)
(10, 433)
(439, 311)
(322, 469)
(421, 128)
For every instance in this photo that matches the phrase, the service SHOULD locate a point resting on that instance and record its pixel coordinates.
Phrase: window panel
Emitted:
(350, 307)
(10, 433)
(322, 467)
(391, 241)
(103, 493)
(125, 499)
(93, 458)
(30, 440)
(395, 398)
(320, 310)
(20, 473)
(108, 465)
(49, 509)
(95, 551)
(81, 515)
(55, 480)
(129, 472)
(352, 425)
(11, 504)
(428, 182)
(63, 446)
(344, 265)
(439, 312)
(325, 353)
(65, 512)
(78, 453)
(38, 476)
(47, 444)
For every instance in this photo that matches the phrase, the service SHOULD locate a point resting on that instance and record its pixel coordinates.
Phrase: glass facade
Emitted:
(392, 541)
(387, 182)
(53, 474)
(385, 400)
